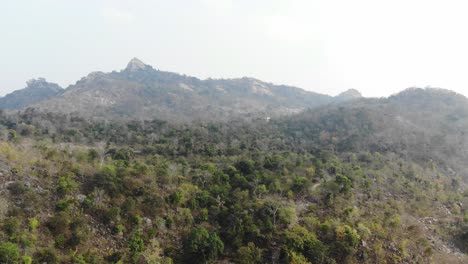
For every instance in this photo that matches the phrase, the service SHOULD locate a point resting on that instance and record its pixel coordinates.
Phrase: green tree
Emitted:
(108, 180)
(246, 166)
(299, 239)
(136, 244)
(344, 182)
(300, 185)
(66, 185)
(9, 253)
(203, 246)
(250, 254)
(346, 241)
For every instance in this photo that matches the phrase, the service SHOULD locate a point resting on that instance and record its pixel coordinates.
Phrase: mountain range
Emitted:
(141, 92)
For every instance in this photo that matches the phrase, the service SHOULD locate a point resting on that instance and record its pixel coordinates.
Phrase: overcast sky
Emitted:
(378, 47)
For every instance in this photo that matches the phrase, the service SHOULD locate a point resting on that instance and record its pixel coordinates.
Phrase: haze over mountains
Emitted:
(350, 179)
(142, 92)
(320, 156)
(426, 124)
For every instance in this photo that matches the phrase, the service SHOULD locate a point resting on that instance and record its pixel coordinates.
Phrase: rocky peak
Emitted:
(37, 83)
(349, 95)
(135, 64)
(41, 85)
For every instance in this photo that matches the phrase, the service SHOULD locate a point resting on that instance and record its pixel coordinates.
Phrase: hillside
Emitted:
(141, 92)
(37, 90)
(365, 181)
(422, 124)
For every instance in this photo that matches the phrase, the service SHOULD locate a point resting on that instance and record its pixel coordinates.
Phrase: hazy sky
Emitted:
(378, 47)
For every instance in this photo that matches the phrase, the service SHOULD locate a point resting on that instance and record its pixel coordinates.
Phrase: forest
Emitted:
(76, 190)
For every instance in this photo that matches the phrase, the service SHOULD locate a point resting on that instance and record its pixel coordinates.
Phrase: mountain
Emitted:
(141, 92)
(37, 90)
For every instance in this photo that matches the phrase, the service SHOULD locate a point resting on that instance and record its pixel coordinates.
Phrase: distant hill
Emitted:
(36, 91)
(422, 124)
(142, 92)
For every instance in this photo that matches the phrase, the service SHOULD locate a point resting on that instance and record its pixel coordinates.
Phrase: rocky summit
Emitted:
(37, 90)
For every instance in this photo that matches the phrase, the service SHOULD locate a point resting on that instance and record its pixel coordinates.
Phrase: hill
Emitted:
(424, 124)
(364, 181)
(37, 90)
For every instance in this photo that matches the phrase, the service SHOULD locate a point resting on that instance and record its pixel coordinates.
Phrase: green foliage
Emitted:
(250, 254)
(394, 221)
(238, 191)
(287, 215)
(64, 204)
(346, 241)
(27, 259)
(108, 180)
(246, 167)
(9, 253)
(176, 198)
(300, 185)
(66, 185)
(344, 182)
(11, 226)
(299, 239)
(203, 246)
(33, 223)
(136, 243)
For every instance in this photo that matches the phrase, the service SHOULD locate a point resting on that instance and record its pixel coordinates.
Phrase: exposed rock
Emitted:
(37, 90)
(81, 197)
(135, 64)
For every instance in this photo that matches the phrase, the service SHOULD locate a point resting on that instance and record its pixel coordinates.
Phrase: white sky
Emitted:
(378, 47)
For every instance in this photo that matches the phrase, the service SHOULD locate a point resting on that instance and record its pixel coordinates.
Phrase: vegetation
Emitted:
(75, 190)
